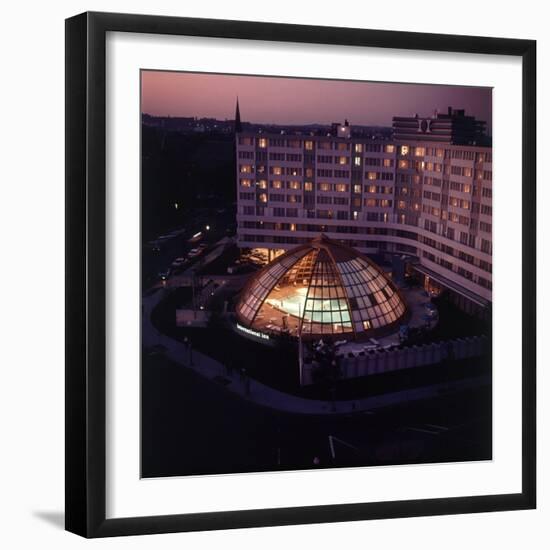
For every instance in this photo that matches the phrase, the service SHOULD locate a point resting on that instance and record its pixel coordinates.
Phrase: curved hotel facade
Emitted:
(425, 195)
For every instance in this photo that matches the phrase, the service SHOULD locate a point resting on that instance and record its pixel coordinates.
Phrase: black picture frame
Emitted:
(86, 275)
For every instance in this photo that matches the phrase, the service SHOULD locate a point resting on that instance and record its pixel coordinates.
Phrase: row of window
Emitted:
(414, 193)
(481, 281)
(414, 207)
(309, 145)
(486, 175)
(327, 173)
(322, 199)
(464, 256)
(321, 186)
(404, 150)
(464, 238)
(323, 228)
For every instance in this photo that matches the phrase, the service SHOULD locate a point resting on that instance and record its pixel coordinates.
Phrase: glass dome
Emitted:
(321, 288)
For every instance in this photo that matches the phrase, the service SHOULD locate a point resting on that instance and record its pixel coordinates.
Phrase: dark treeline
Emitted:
(190, 170)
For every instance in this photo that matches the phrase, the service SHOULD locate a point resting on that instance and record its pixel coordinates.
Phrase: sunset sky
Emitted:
(302, 101)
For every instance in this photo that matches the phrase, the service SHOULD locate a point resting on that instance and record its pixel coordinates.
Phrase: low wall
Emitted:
(382, 360)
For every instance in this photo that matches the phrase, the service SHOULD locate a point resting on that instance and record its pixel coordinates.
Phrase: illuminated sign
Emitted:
(253, 332)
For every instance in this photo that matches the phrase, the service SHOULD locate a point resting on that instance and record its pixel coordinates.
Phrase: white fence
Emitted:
(383, 360)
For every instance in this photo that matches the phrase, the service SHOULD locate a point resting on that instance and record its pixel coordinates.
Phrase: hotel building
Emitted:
(423, 199)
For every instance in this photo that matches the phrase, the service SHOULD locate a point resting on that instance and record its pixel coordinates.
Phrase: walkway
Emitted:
(266, 396)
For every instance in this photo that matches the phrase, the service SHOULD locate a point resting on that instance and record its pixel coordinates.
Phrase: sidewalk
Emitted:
(266, 396)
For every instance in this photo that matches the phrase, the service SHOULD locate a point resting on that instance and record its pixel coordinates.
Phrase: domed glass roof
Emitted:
(321, 288)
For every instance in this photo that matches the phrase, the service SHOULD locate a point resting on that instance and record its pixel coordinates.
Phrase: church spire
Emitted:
(238, 125)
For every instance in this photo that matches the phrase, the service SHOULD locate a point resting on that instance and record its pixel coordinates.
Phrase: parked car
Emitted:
(194, 252)
(178, 262)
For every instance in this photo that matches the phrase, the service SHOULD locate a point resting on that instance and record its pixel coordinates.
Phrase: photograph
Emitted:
(316, 260)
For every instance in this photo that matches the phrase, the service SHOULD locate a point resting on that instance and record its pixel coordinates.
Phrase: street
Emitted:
(195, 426)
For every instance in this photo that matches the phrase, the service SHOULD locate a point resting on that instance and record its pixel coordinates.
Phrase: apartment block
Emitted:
(424, 200)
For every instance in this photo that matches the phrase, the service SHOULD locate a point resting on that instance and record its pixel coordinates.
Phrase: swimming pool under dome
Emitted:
(322, 288)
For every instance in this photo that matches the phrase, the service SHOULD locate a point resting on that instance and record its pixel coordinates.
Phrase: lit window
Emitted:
(404, 150)
(358, 147)
(401, 205)
(246, 169)
(371, 175)
(293, 227)
(403, 163)
(357, 189)
(277, 170)
(388, 163)
(277, 184)
(355, 215)
(341, 187)
(466, 188)
(366, 325)
(263, 197)
(372, 189)
(419, 151)
(357, 161)
(324, 186)
(262, 143)
(390, 148)
(309, 145)
(342, 160)
(308, 186)
(246, 183)
(295, 185)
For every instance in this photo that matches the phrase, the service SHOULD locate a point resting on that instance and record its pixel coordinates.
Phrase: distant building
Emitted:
(453, 127)
(429, 201)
